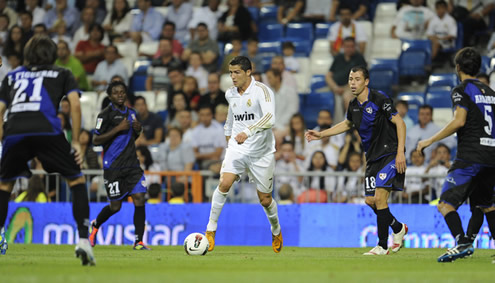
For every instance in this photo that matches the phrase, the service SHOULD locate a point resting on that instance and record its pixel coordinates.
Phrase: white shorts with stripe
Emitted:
(260, 169)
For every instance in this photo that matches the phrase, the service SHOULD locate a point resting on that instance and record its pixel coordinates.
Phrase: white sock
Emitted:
(272, 213)
(217, 201)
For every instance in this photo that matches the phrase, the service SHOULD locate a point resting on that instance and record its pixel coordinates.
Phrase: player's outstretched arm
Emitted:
(460, 115)
(75, 113)
(104, 138)
(400, 159)
(3, 107)
(338, 129)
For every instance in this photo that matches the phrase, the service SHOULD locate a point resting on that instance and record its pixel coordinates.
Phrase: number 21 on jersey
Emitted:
(21, 101)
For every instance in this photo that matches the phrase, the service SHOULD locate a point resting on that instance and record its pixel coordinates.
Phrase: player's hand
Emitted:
(124, 125)
(1, 62)
(136, 126)
(422, 145)
(241, 137)
(400, 162)
(312, 135)
(76, 147)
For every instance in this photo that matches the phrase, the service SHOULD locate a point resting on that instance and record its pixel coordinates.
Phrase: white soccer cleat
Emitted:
(84, 251)
(399, 238)
(378, 250)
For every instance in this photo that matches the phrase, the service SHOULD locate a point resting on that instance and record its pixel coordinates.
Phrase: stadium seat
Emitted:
(382, 29)
(415, 100)
(439, 98)
(138, 79)
(273, 48)
(271, 32)
(225, 82)
(368, 29)
(127, 49)
(415, 57)
(302, 31)
(303, 76)
(161, 101)
(321, 30)
(255, 13)
(150, 97)
(387, 48)
(129, 65)
(89, 109)
(321, 46)
(302, 48)
(148, 48)
(385, 12)
(266, 61)
(313, 103)
(383, 74)
(320, 64)
(442, 80)
(485, 65)
(317, 82)
(268, 14)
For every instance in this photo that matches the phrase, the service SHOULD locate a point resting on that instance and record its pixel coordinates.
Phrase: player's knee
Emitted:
(266, 200)
(138, 199)
(225, 184)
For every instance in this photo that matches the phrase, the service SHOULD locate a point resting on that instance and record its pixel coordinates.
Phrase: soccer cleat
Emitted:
(210, 235)
(3, 243)
(277, 242)
(141, 246)
(84, 251)
(92, 233)
(399, 238)
(378, 250)
(459, 251)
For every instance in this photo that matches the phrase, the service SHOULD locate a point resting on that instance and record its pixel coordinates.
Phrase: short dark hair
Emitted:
(40, 50)
(168, 23)
(325, 110)
(362, 69)
(426, 106)
(114, 84)
(469, 61)
(99, 27)
(25, 12)
(154, 190)
(288, 45)
(140, 97)
(178, 189)
(285, 192)
(114, 47)
(253, 39)
(402, 102)
(443, 145)
(275, 72)
(202, 24)
(350, 38)
(241, 61)
(441, 3)
(61, 41)
(206, 106)
(40, 25)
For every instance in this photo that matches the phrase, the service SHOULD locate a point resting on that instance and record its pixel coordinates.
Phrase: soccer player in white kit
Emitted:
(250, 119)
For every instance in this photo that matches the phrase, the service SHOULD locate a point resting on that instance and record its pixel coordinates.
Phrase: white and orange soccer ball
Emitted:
(196, 244)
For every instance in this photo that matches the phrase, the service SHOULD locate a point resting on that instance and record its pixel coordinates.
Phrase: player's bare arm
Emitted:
(75, 113)
(104, 138)
(3, 107)
(400, 160)
(338, 129)
(460, 115)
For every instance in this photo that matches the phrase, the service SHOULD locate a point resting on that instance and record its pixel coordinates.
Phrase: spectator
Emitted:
(338, 74)
(289, 10)
(37, 11)
(185, 122)
(297, 127)
(26, 21)
(176, 76)
(152, 124)
(100, 13)
(62, 12)
(14, 60)
(4, 9)
(325, 145)
(66, 126)
(207, 47)
(285, 194)
(474, 16)
(350, 189)
(402, 108)
(65, 106)
(147, 164)
(158, 72)
(221, 112)
(416, 188)
(286, 101)
(168, 32)
(412, 21)
(325, 183)
(88, 20)
(359, 8)
(236, 51)
(15, 42)
(197, 71)
(191, 90)
(317, 11)
(209, 15)
(90, 160)
(236, 21)
(423, 130)
(175, 154)
(61, 35)
(324, 120)
(178, 189)
(257, 76)
(215, 96)
(442, 30)
(289, 163)
(118, 22)
(91, 52)
(208, 139)
(180, 13)
(40, 29)
(35, 191)
(439, 165)
(352, 144)
(155, 194)
(4, 29)
(484, 78)
(288, 78)
(491, 46)
(290, 61)
(68, 61)
(346, 27)
(179, 103)
(108, 68)
(253, 55)
(147, 24)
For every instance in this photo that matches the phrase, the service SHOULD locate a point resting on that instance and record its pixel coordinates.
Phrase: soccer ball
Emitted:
(196, 244)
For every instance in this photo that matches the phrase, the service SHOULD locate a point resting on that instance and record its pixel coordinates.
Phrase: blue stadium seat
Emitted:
(321, 30)
(270, 32)
(255, 13)
(317, 82)
(267, 62)
(138, 79)
(415, 100)
(268, 14)
(415, 56)
(485, 65)
(270, 47)
(302, 31)
(314, 102)
(383, 74)
(439, 98)
(444, 81)
(302, 48)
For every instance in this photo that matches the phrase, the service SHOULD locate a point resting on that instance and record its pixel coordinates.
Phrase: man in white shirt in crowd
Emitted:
(289, 163)
(416, 188)
(288, 79)
(439, 165)
(108, 68)
(208, 15)
(411, 21)
(346, 27)
(37, 11)
(442, 30)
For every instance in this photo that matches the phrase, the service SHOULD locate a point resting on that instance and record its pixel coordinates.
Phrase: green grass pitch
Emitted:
(115, 264)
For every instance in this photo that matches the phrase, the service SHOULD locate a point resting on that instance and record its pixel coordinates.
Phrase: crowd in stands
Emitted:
(186, 46)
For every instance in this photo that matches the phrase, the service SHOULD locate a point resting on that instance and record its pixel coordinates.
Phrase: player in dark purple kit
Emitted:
(383, 135)
(117, 129)
(472, 173)
(32, 94)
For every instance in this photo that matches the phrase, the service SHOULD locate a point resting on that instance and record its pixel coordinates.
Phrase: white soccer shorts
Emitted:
(260, 169)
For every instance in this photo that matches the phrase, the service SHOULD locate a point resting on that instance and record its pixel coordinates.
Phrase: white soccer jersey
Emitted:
(253, 113)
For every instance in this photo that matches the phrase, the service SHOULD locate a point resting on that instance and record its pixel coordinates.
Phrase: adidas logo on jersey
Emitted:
(244, 117)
